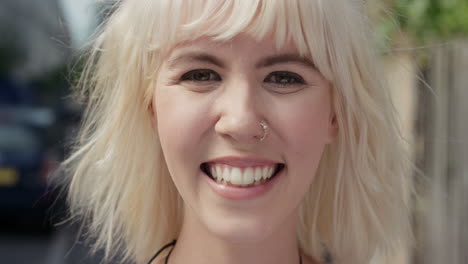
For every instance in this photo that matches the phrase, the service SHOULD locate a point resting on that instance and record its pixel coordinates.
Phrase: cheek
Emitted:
(306, 126)
(180, 125)
(305, 137)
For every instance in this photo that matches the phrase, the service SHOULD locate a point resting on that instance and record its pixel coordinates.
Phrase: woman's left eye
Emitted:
(201, 76)
(284, 78)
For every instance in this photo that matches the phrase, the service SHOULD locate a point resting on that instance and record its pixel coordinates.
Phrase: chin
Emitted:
(240, 230)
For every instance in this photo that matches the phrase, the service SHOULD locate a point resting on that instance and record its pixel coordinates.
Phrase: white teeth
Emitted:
(236, 176)
(225, 174)
(241, 176)
(258, 174)
(265, 173)
(213, 171)
(248, 176)
(218, 170)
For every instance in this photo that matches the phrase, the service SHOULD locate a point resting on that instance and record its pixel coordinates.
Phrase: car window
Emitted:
(15, 138)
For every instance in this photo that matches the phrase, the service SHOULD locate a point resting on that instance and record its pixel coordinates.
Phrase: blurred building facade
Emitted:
(35, 32)
(443, 215)
(44, 34)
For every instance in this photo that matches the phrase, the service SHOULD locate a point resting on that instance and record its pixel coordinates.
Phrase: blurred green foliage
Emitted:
(427, 20)
(424, 21)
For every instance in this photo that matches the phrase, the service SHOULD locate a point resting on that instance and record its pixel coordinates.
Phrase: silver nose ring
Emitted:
(265, 131)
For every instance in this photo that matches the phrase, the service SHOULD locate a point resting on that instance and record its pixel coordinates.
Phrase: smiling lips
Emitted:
(241, 173)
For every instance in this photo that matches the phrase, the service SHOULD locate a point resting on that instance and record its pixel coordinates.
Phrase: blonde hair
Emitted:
(355, 208)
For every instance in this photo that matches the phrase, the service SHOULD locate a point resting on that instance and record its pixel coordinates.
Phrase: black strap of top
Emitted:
(161, 250)
(327, 256)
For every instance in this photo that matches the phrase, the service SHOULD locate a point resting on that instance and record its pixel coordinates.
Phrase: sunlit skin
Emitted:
(208, 101)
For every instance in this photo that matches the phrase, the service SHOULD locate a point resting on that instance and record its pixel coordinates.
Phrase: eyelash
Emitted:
(297, 80)
(205, 75)
(191, 76)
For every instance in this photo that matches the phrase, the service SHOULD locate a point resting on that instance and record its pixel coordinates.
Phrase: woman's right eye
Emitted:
(201, 76)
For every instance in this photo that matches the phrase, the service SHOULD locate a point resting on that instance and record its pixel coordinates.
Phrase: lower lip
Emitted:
(241, 193)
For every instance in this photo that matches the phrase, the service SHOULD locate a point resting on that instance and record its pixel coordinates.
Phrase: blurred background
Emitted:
(39, 44)
(423, 45)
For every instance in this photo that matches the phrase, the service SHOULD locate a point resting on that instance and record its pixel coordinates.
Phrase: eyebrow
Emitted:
(285, 58)
(196, 57)
(265, 62)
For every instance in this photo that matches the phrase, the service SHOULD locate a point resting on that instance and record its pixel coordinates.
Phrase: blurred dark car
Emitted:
(25, 164)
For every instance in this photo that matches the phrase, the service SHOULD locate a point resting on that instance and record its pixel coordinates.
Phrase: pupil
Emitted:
(285, 79)
(201, 76)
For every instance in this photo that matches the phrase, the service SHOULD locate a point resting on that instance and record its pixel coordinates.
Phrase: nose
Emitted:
(240, 112)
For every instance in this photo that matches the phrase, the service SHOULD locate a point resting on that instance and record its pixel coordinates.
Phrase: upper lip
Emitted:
(242, 161)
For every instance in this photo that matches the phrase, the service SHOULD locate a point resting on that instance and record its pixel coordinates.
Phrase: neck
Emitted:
(197, 245)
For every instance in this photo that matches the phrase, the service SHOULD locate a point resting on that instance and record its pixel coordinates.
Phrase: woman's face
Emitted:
(209, 100)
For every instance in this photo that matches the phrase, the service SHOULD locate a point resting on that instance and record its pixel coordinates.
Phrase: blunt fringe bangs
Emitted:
(118, 183)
